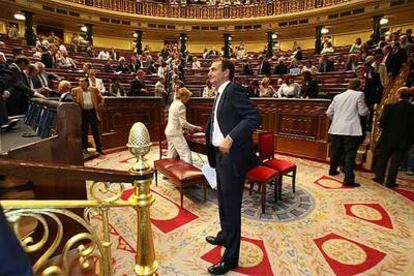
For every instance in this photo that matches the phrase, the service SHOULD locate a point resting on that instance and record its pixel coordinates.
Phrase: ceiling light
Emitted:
(384, 21)
(135, 35)
(230, 38)
(19, 16)
(324, 30)
(274, 36)
(84, 29)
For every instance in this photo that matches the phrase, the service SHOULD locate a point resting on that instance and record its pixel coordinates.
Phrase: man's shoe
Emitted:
(101, 152)
(334, 173)
(221, 268)
(376, 180)
(214, 241)
(391, 186)
(354, 185)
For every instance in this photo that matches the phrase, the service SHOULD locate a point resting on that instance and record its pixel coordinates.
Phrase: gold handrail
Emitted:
(389, 96)
(104, 197)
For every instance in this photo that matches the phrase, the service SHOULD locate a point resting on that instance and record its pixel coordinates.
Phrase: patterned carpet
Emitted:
(322, 229)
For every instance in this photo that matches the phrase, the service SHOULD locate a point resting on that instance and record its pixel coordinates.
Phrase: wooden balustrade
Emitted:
(156, 9)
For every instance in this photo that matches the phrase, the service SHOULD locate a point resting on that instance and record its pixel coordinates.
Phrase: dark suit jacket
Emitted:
(395, 61)
(281, 69)
(329, 67)
(136, 88)
(133, 67)
(247, 70)
(47, 59)
(265, 68)
(309, 89)
(20, 90)
(397, 123)
(238, 117)
(298, 55)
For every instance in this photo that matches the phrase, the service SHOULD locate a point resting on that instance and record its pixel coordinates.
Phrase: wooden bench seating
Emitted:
(181, 174)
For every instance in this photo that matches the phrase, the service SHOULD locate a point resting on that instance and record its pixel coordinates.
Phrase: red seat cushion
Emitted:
(280, 165)
(261, 174)
(166, 163)
(185, 172)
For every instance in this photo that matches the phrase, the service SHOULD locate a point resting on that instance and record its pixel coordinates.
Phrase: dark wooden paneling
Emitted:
(300, 126)
(119, 114)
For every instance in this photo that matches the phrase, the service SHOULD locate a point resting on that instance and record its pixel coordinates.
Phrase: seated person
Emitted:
(309, 87)
(289, 89)
(138, 84)
(294, 68)
(281, 68)
(209, 91)
(177, 122)
(196, 64)
(266, 90)
(116, 89)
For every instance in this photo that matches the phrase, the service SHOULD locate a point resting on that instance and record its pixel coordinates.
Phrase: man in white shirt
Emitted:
(346, 130)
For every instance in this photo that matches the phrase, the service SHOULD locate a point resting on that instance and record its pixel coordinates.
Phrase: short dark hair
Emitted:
(20, 60)
(354, 84)
(227, 64)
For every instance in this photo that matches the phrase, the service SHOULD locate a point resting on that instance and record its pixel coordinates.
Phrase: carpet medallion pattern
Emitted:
(341, 231)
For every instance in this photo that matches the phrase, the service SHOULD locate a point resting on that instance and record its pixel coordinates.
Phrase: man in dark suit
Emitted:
(247, 68)
(138, 85)
(264, 67)
(230, 151)
(281, 68)
(13, 79)
(397, 123)
(396, 59)
(133, 65)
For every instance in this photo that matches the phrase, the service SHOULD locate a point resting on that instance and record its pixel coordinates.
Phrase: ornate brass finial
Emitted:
(139, 145)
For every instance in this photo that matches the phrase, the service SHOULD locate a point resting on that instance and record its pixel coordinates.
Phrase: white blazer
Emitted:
(177, 119)
(99, 85)
(344, 112)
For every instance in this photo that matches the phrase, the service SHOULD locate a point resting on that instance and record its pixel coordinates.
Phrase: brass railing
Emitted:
(156, 9)
(46, 240)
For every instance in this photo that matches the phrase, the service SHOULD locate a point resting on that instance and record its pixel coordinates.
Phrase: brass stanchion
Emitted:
(139, 145)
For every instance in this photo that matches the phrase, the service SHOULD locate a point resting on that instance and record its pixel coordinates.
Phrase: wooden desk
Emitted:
(119, 114)
(300, 126)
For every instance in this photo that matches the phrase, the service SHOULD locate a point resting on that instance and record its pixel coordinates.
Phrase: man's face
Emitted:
(216, 75)
(83, 84)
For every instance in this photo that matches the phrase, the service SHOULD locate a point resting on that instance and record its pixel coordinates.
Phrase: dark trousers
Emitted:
(344, 150)
(229, 193)
(13, 259)
(89, 118)
(382, 155)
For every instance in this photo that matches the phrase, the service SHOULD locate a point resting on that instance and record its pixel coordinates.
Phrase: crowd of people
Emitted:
(283, 75)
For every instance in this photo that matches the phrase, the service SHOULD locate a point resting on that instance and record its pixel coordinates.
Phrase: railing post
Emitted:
(106, 243)
(139, 145)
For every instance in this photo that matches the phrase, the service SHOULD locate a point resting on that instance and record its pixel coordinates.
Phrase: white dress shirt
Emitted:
(217, 134)
(344, 111)
(87, 100)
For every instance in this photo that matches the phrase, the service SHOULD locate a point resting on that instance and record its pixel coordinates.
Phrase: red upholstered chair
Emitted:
(262, 176)
(163, 144)
(267, 156)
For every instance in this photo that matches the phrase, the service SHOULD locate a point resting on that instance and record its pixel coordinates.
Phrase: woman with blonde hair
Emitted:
(266, 90)
(177, 122)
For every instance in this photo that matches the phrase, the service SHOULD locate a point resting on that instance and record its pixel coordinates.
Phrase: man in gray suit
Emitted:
(346, 130)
